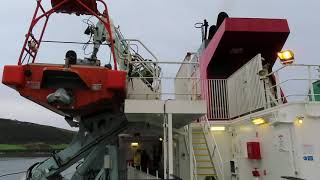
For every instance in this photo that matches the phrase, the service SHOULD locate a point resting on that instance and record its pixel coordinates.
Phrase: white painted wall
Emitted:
(284, 143)
(307, 139)
(137, 89)
(275, 161)
(190, 87)
(224, 141)
(183, 159)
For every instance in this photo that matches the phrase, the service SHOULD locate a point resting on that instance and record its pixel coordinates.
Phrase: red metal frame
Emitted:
(46, 14)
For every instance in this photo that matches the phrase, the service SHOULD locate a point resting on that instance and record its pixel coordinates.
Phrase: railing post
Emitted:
(191, 165)
(278, 89)
(310, 84)
(170, 144)
(267, 90)
(165, 147)
(129, 63)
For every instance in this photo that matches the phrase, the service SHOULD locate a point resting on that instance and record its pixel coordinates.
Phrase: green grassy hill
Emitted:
(24, 136)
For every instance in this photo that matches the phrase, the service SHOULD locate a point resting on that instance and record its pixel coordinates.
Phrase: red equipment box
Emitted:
(253, 149)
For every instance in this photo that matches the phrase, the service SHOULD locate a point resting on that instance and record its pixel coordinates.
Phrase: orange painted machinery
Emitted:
(70, 89)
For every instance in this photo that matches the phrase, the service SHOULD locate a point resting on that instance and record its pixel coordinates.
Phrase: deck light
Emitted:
(299, 120)
(217, 128)
(160, 139)
(134, 144)
(286, 57)
(258, 121)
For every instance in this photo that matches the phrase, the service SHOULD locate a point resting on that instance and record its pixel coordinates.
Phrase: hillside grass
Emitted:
(12, 147)
(31, 147)
(59, 146)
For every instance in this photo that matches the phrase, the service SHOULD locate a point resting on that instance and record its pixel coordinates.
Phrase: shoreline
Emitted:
(24, 154)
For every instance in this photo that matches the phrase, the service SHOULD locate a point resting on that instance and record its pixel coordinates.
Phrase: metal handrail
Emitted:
(155, 71)
(128, 41)
(292, 65)
(144, 46)
(280, 98)
(293, 79)
(276, 92)
(195, 177)
(159, 79)
(142, 61)
(206, 129)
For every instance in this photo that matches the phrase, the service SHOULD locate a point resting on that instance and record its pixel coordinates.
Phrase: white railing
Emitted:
(167, 91)
(216, 94)
(212, 145)
(139, 64)
(135, 174)
(293, 83)
(242, 93)
(246, 92)
(161, 87)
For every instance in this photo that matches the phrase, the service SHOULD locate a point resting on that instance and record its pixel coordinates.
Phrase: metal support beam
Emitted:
(165, 149)
(113, 152)
(310, 84)
(191, 165)
(170, 145)
(89, 144)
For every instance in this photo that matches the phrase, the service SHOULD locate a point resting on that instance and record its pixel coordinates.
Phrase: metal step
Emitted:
(203, 155)
(206, 171)
(206, 174)
(200, 149)
(197, 133)
(198, 142)
(205, 167)
(202, 160)
(204, 164)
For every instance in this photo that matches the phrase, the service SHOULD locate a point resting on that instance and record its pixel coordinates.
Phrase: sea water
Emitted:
(13, 165)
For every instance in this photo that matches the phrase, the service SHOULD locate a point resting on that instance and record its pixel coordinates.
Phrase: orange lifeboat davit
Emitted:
(71, 89)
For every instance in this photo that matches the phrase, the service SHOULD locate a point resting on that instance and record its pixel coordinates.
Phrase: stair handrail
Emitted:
(126, 45)
(143, 45)
(155, 71)
(206, 129)
(186, 140)
(140, 58)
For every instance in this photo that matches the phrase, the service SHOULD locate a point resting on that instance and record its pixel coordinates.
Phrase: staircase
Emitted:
(204, 163)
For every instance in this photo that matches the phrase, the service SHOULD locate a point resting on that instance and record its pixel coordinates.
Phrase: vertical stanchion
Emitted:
(165, 149)
(190, 151)
(170, 145)
(310, 84)
(278, 89)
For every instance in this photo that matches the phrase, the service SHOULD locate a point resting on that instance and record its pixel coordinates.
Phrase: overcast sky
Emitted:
(166, 26)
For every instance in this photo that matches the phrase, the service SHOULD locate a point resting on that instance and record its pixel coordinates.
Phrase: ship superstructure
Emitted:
(230, 115)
